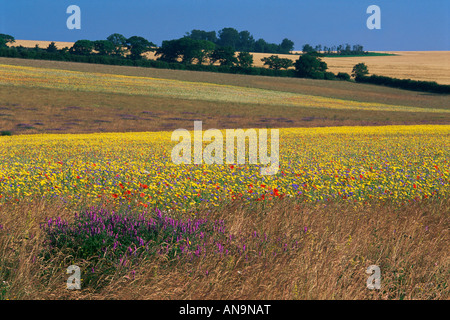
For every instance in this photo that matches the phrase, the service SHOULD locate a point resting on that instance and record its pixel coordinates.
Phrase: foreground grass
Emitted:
(336, 243)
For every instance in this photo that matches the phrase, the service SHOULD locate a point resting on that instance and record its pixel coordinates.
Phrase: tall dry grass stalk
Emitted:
(336, 244)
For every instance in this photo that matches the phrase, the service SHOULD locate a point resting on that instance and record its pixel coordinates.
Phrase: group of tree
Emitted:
(276, 63)
(241, 41)
(340, 50)
(115, 45)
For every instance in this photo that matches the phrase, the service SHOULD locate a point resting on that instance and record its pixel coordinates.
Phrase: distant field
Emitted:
(61, 97)
(41, 44)
(416, 65)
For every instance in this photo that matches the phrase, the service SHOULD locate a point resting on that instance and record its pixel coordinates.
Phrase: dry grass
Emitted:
(409, 244)
(39, 110)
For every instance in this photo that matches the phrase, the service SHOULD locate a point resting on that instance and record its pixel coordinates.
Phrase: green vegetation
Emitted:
(360, 70)
(310, 66)
(241, 41)
(406, 84)
(5, 39)
(346, 50)
(343, 76)
(277, 63)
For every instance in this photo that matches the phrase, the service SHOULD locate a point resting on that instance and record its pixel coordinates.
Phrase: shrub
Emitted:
(407, 84)
(329, 76)
(317, 75)
(343, 76)
(98, 233)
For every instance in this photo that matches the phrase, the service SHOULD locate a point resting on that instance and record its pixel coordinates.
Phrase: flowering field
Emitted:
(351, 164)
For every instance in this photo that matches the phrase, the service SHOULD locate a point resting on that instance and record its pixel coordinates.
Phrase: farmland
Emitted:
(95, 98)
(86, 178)
(428, 65)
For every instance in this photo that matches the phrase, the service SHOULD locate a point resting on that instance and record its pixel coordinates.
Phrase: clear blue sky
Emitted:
(406, 24)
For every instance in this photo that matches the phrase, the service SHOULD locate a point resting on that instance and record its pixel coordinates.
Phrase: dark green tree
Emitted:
(228, 37)
(52, 48)
(191, 50)
(245, 59)
(360, 70)
(246, 42)
(343, 76)
(276, 63)
(224, 55)
(202, 35)
(310, 66)
(307, 48)
(169, 51)
(5, 39)
(286, 46)
(186, 49)
(104, 47)
(120, 42)
(139, 45)
(82, 47)
(271, 48)
(260, 45)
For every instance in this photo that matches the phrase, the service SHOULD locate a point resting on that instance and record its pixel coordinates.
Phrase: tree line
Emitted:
(241, 41)
(187, 53)
(339, 50)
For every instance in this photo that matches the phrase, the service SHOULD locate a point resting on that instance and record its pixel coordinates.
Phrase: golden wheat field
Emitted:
(416, 65)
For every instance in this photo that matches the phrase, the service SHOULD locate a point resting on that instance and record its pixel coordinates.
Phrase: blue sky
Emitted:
(406, 24)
